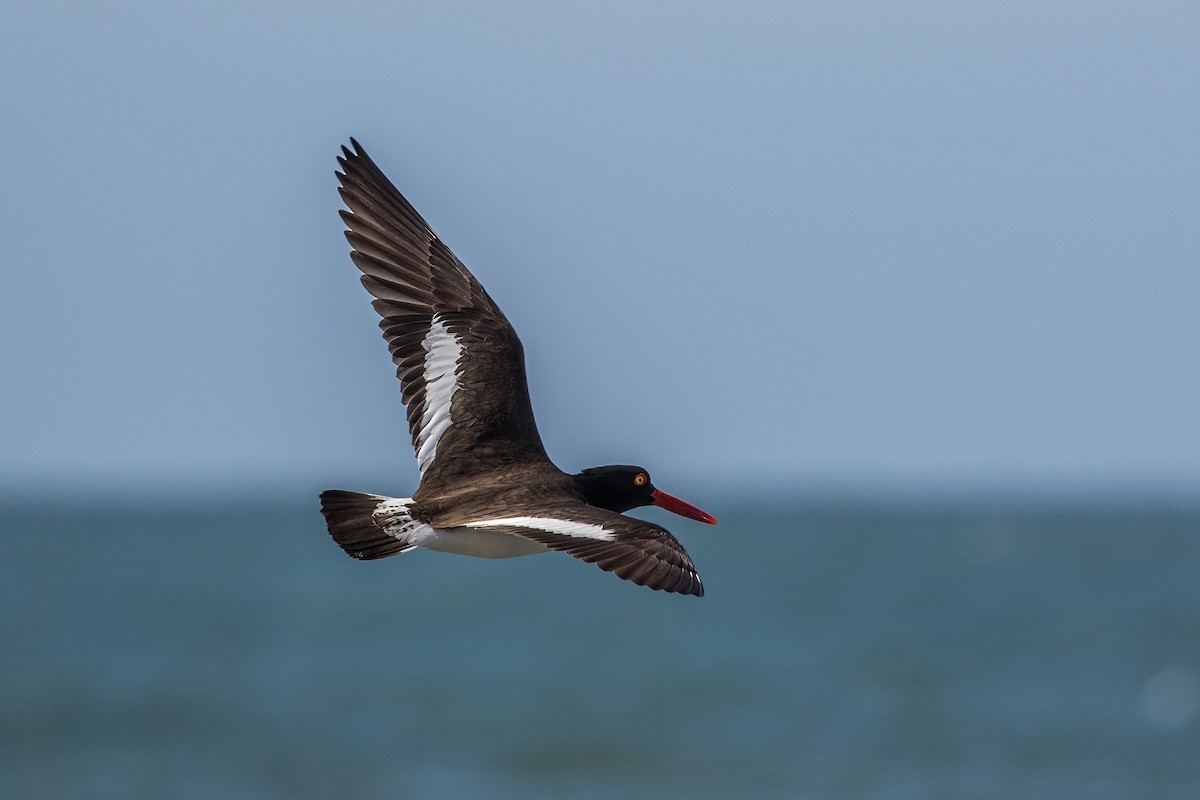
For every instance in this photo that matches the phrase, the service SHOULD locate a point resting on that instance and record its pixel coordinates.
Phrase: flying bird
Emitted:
(487, 487)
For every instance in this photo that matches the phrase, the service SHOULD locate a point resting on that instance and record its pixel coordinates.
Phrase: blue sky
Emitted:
(769, 244)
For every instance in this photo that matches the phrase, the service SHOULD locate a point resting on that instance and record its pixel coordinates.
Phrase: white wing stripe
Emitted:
(442, 354)
(582, 530)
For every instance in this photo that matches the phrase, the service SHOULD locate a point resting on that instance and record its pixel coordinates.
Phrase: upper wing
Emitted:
(635, 550)
(460, 363)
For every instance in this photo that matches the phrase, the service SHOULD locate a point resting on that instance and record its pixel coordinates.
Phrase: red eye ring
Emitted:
(641, 479)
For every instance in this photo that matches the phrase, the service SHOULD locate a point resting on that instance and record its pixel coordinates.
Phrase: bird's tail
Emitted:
(369, 526)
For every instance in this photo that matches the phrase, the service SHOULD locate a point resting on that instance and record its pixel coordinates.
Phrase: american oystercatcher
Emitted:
(487, 486)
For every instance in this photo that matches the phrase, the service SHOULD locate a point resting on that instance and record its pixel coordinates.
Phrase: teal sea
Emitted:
(891, 650)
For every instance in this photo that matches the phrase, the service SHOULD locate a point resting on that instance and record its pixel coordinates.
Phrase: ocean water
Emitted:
(218, 649)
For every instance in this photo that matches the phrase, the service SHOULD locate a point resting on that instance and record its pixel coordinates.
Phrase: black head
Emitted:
(621, 487)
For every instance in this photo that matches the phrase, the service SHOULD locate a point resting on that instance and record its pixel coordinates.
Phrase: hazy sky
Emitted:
(915, 244)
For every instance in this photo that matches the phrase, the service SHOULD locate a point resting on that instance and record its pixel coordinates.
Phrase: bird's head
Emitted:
(622, 487)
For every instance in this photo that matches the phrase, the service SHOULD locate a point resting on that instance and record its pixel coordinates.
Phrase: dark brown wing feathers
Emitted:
(640, 551)
(414, 277)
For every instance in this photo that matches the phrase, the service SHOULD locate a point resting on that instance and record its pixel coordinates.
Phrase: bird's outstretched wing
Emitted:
(637, 551)
(460, 363)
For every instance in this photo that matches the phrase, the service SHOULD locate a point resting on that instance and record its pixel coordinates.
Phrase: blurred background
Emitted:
(905, 295)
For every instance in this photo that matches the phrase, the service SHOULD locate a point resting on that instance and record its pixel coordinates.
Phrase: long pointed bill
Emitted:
(664, 500)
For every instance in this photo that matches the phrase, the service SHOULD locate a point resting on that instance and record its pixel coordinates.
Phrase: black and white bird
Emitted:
(487, 486)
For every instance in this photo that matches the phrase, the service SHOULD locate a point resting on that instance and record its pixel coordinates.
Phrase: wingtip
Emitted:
(685, 586)
(693, 585)
(355, 150)
(358, 151)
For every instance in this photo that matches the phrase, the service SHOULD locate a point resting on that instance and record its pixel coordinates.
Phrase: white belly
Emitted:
(481, 544)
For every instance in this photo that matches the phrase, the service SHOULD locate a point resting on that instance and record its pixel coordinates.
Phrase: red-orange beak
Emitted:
(674, 504)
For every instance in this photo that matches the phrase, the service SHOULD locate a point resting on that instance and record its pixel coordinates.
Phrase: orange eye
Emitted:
(641, 479)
